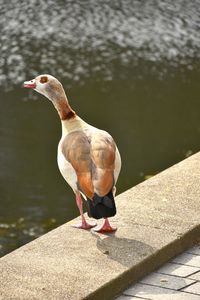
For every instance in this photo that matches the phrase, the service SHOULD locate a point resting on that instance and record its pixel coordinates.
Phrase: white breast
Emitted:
(118, 164)
(66, 169)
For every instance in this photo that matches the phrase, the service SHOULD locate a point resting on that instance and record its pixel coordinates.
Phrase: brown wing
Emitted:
(103, 155)
(92, 156)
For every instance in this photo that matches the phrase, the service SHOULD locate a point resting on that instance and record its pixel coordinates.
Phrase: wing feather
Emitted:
(92, 155)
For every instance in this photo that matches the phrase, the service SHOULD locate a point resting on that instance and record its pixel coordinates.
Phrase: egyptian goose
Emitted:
(88, 157)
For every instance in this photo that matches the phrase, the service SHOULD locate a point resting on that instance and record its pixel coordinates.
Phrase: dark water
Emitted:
(130, 67)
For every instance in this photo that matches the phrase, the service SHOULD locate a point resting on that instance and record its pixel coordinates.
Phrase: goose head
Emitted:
(52, 89)
(48, 86)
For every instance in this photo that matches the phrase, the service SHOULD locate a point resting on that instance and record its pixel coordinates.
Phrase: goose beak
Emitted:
(30, 84)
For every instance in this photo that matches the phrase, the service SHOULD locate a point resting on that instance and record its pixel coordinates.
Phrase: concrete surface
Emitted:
(156, 220)
(174, 281)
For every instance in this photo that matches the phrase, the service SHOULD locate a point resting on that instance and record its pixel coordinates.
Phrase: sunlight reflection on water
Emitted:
(80, 39)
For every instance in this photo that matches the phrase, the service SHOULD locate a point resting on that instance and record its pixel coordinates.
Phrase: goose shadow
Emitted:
(125, 251)
(163, 282)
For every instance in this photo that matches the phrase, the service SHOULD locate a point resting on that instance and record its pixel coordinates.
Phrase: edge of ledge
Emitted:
(158, 219)
(146, 266)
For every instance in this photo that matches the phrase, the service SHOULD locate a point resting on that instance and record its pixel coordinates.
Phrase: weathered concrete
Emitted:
(156, 219)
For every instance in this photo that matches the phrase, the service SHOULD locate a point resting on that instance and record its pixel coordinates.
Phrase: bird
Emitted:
(87, 157)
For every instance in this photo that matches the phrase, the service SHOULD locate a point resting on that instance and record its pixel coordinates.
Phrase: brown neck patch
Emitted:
(70, 115)
(64, 110)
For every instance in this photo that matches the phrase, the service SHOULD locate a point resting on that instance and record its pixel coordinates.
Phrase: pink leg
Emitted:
(83, 224)
(106, 227)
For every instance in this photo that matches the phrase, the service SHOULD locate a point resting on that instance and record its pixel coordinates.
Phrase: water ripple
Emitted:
(80, 39)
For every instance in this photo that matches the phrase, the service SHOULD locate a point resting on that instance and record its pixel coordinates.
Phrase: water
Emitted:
(130, 67)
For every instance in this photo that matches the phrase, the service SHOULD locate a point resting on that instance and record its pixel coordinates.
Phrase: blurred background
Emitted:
(131, 67)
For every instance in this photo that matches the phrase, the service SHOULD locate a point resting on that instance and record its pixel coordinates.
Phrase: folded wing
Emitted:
(92, 155)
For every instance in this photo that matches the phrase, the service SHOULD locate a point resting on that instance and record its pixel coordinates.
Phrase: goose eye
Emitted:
(43, 79)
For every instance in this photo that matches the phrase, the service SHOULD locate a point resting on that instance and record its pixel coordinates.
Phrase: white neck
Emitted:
(73, 124)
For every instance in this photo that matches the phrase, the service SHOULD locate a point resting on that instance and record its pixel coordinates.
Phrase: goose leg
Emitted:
(106, 227)
(84, 224)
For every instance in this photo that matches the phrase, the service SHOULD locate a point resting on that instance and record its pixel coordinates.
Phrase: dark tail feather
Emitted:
(101, 207)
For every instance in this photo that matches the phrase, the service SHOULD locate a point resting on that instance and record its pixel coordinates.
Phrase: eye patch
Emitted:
(43, 79)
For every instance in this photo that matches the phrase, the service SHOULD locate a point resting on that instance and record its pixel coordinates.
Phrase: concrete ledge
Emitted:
(157, 220)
